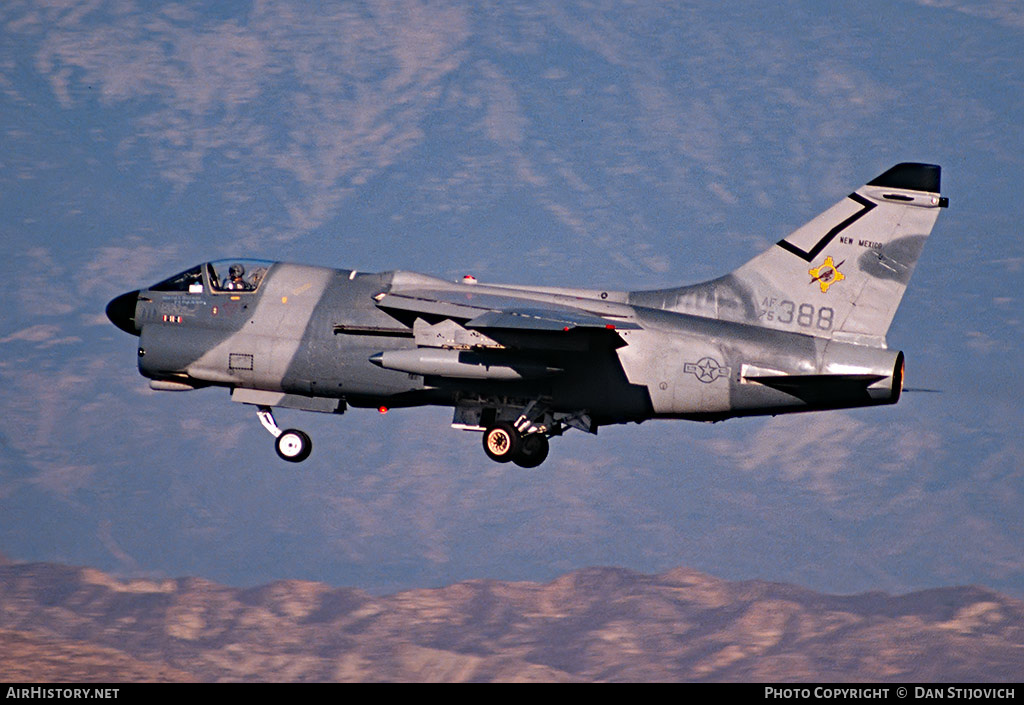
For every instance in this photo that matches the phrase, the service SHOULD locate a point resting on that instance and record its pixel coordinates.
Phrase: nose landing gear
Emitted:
(291, 444)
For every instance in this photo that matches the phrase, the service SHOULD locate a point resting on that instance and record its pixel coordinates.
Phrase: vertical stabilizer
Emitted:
(841, 276)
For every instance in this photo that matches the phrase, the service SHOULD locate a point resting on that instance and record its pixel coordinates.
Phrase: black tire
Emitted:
(501, 442)
(533, 450)
(293, 445)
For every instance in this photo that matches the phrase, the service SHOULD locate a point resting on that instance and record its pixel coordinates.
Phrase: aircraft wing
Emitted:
(486, 312)
(545, 319)
(469, 319)
(422, 305)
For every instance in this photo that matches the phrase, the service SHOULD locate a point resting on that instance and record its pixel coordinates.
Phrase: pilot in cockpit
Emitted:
(235, 281)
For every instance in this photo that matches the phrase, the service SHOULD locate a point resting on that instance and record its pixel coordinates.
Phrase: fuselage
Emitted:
(320, 333)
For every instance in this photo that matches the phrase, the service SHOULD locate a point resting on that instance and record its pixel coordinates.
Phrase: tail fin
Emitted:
(841, 276)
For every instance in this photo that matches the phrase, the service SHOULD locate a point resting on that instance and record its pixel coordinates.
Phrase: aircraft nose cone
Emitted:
(121, 312)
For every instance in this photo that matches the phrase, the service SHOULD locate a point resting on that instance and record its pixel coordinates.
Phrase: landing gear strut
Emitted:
(292, 444)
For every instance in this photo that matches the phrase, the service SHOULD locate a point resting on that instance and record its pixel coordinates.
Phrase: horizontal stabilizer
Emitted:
(825, 390)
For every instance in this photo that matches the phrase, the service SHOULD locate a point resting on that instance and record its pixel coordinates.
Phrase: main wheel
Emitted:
(501, 442)
(293, 445)
(533, 449)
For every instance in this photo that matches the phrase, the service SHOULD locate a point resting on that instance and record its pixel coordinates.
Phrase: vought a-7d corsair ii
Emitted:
(801, 327)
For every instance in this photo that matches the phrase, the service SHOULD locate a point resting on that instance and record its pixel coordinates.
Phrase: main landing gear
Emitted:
(523, 441)
(503, 442)
(292, 444)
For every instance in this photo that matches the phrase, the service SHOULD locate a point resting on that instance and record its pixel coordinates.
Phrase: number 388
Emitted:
(806, 315)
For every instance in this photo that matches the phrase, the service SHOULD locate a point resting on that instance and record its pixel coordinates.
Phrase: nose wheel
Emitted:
(291, 444)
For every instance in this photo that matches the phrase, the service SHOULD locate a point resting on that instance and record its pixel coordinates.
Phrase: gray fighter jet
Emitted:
(801, 327)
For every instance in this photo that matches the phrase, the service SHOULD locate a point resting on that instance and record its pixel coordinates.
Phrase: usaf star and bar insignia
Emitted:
(707, 369)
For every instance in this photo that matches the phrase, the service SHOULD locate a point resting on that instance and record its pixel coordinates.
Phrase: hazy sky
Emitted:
(627, 145)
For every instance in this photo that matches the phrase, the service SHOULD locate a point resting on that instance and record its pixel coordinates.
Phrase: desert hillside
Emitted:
(60, 623)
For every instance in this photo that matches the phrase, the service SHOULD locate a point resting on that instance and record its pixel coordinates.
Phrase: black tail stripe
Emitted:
(830, 235)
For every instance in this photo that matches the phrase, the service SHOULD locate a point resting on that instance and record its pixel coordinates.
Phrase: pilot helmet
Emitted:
(235, 271)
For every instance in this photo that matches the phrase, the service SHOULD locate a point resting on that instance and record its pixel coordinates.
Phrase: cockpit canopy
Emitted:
(226, 275)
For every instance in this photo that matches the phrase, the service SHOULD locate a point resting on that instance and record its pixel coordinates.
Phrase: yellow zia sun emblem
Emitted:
(827, 274)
